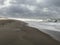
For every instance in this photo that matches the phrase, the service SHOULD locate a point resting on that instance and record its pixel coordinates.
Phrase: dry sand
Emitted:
(13, 32)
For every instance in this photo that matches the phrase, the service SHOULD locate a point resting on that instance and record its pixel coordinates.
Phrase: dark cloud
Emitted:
(55, 3)
(30, 8)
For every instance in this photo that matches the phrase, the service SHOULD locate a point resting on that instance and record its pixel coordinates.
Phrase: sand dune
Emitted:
(14, 32)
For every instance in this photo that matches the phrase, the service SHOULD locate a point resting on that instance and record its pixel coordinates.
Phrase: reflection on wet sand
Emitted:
(49, 28)
(54, 34)
(13, 32)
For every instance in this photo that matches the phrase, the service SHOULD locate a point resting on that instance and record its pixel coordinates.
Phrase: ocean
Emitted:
(50, 28)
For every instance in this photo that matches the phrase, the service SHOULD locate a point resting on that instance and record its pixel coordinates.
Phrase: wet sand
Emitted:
(54, 34)
(13, 32)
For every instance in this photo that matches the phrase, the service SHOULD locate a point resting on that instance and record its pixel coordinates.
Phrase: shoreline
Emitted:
(19, 33)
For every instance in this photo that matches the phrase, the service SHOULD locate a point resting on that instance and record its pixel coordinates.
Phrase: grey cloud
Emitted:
(16, 10)
(55, 2)
(1, 2)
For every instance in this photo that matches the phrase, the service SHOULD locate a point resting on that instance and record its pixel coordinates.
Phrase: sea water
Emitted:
(53, 29)
(50, 28)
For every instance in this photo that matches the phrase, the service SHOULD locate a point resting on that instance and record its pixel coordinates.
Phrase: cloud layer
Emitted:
(30, 8)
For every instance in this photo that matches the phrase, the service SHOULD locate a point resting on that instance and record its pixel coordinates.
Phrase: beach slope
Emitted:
(14, 32)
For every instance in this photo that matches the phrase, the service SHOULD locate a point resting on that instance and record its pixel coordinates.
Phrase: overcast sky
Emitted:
(30, 8)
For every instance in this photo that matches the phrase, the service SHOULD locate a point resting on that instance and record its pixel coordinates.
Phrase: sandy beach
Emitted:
(14, 32)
